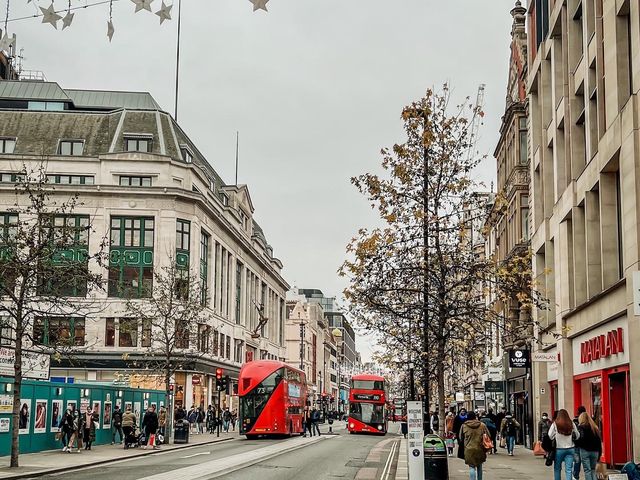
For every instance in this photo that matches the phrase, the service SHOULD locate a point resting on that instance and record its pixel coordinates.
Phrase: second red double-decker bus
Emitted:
(367, 400)
(272, 399)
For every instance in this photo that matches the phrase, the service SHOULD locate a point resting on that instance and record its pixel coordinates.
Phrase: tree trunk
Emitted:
(17, 393)
(167, 403)
(440, 379)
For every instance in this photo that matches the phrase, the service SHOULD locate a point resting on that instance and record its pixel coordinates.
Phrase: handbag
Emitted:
(503, 442)
(487, 444)
(538, 451)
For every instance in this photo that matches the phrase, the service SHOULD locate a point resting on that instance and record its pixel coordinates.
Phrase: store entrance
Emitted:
(620, 401)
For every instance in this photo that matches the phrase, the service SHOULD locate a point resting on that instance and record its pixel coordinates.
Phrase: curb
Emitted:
(71, 468)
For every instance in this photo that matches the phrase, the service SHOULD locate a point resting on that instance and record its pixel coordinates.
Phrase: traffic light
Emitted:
(225, 383)
(219, 380)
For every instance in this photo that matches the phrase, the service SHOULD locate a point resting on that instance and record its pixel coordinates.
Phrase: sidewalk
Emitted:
(522, 466)
(53, 461)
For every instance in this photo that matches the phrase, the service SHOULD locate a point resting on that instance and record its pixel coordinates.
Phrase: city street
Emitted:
(361, 457)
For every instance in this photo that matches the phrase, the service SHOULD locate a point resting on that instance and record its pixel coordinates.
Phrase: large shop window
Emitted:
(131, 257)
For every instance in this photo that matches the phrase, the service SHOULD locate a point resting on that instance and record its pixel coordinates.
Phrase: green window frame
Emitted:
(66, 273)
(205, 241)
(133, 181)
(65, 179)
(131, 257)
(59, 331)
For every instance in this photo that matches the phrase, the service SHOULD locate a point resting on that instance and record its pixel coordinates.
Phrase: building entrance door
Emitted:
(620, 421)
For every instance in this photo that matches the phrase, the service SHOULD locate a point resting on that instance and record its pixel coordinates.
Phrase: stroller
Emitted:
(134, 439)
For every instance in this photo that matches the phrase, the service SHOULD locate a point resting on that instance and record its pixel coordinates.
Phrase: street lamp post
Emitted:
(337, 333)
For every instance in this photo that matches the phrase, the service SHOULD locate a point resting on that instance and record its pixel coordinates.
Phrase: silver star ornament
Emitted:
(142, 5)
(165, 12)
(66, 21)
(110, 30)
(259, 5)
(49, 15)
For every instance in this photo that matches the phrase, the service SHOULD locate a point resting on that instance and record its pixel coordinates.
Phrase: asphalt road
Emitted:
(328, 457)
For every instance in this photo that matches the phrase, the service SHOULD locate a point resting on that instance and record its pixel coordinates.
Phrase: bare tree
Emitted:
(48, 276)
(174, 329)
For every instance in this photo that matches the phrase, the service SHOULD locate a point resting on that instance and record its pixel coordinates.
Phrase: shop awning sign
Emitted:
(519, 358)
(545, 356)
(494, 386)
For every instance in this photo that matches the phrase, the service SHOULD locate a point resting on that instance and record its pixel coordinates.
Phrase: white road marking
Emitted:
(196, 454)
(387, 466)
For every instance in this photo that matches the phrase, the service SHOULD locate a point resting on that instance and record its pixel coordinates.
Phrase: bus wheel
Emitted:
(251, 436)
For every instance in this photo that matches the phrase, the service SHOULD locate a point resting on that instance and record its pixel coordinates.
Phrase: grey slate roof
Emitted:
(32, 91)
(107, 99)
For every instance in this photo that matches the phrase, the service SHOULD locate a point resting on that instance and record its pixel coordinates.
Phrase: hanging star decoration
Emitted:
(66, 21)
(49, 15)
(165, 12)
(259, 5)
(142, 5)
(110, 30)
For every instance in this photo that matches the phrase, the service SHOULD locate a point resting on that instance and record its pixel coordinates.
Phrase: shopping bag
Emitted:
(487, 443)
(503, 442)
(538, 450)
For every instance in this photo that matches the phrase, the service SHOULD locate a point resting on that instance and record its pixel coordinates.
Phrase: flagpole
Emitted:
(175, 114)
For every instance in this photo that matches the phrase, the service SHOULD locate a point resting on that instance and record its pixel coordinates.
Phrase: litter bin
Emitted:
(436, 466)
(181, 432)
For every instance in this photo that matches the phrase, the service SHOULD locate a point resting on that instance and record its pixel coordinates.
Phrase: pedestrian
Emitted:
(211, 419)
(448, 422)
(66, 428)
(563, 431)
(162, 422)
(90, 420)
(508, 430)
(180, 414)
(201, 418)
(576, 456)
(234, 419)
(450, 442)
(150, 427)
(192, 418)
(493, 430)
(306, 422)
(493, 417)
(590, 445)
(116, 425)
(474, 433)
(458, 421)
(543, 426)
(315, 419)
(128, 426)
(434, 423)
(226, 419)
(78, 430)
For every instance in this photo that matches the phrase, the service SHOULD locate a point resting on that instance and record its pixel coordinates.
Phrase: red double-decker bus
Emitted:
(272, 399)
(367, 405)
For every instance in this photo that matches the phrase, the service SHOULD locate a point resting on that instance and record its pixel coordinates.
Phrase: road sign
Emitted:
(415, 453)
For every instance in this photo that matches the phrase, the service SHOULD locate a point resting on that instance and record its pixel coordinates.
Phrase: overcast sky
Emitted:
(315, 88)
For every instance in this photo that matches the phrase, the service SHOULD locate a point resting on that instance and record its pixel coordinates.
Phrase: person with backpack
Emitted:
(226, 419)
(508, 431)
(434, 423)
(474, 434)
(564, 432)
(192, 418)
(590, 444)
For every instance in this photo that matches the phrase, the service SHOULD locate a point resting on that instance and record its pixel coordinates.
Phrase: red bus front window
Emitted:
(367, 384)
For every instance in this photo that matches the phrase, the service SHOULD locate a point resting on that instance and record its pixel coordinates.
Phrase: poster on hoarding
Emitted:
(106, 419)
(5, 423)
(40, 422)
(6, 403)
(56, 415)
(25, 416)
(84, 405)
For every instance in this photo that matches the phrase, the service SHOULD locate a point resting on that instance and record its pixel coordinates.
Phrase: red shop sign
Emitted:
(602, 346)
(195, 380)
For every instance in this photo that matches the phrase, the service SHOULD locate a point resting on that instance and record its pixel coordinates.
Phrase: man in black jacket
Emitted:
(116, 425)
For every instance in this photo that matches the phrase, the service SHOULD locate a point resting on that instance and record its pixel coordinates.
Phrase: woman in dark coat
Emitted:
(150, 426)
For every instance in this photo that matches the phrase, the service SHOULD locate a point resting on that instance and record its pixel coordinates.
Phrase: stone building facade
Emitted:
(145, 185)
(583, 85)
